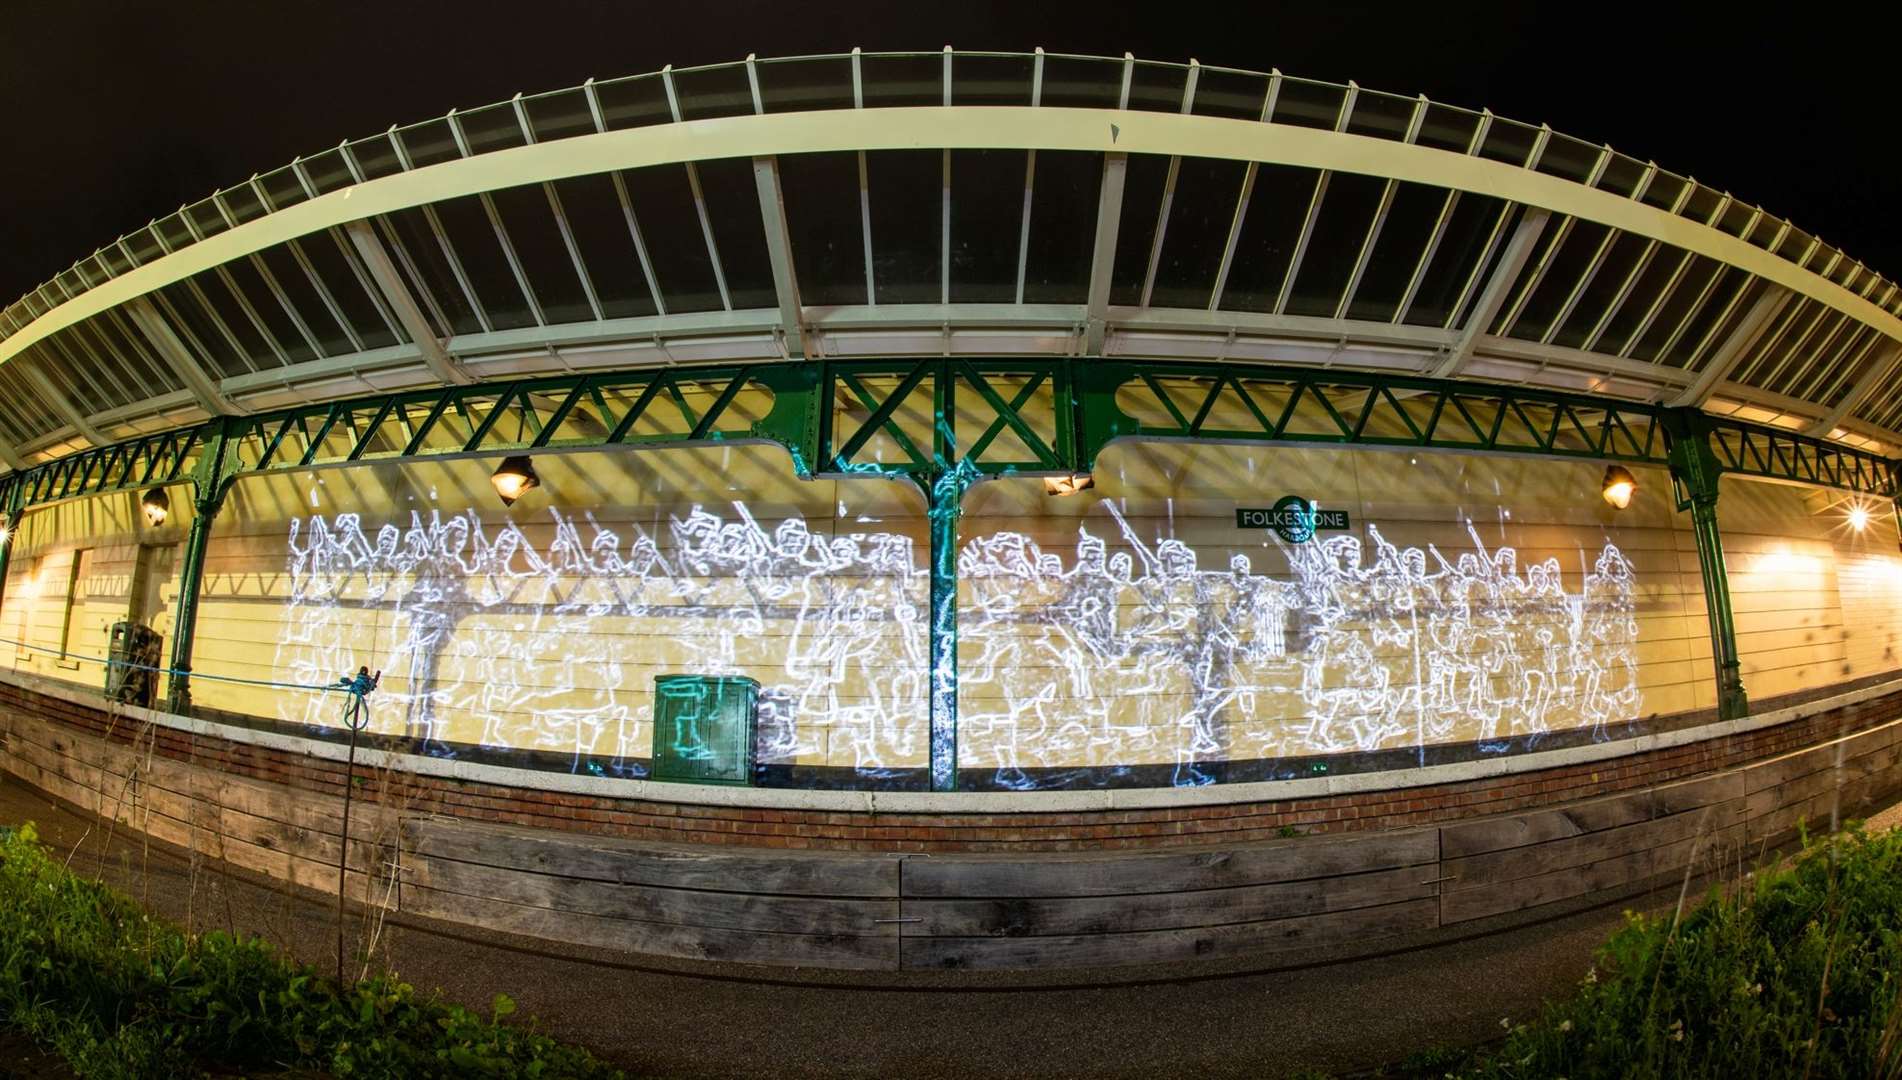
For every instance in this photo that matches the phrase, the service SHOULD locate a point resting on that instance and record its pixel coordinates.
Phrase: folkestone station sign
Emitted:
(1293, 518)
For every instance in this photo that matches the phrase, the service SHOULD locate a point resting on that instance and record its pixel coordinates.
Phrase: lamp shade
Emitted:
(157, 506)
(514, 478)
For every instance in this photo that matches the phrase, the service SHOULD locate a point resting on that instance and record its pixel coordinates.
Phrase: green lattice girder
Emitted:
(1232, 403)
(1782, 455)
(147, 461)
(920, 417)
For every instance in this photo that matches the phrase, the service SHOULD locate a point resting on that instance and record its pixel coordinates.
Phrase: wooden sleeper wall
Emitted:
(949, 909)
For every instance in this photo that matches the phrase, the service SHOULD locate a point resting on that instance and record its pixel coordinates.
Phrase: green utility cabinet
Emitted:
(703, 728)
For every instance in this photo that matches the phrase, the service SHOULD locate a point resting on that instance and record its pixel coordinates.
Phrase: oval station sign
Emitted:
(1293, 518)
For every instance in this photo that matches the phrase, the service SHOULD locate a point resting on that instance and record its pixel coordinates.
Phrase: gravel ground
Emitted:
(1886, 820)
(660, 1018)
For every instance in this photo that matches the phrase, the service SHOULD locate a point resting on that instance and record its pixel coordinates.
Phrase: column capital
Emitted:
(1694, 465)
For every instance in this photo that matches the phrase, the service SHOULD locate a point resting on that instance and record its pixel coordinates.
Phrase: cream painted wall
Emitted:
(1816, 602)
(543, 626)
(109, 531)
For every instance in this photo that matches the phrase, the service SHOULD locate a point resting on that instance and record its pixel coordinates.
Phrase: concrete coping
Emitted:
(962, 802)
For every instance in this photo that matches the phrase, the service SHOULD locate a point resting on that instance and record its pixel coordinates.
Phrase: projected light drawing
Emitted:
(1130, 652)
(480, 626)
(1157, 659)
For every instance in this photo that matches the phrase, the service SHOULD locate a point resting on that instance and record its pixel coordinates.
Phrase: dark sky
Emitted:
(121, 110)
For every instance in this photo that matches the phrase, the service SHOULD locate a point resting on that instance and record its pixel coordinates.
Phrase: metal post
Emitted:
(945, 488)
(356, 716)
(351, 713)
(210, 484)
(1695, 472)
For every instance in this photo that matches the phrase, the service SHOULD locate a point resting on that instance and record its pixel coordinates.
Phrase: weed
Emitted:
(120, 994)
(1794, 973)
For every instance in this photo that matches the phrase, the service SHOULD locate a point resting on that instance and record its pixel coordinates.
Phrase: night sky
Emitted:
(117, 112)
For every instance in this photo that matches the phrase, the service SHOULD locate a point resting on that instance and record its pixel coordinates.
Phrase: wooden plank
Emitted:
(1170, 946)
(869, 952)
(1798, 764)
(1165, 911)
(188, 835)
(1465, 838)
(1852, 800)
(1762, 775)
(49, 780)
(1676, 798)
(111, 765)
(1489, 869)
(754, 911)
(1633, 868)
(1879, 759)
(199, 825)
(1020, 877)
(629, 862)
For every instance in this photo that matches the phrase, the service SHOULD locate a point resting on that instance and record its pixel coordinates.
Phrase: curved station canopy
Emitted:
(959, 205)
(950, 267)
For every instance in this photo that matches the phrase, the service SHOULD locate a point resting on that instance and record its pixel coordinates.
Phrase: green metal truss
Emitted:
(946, 423)
(921, 417)
(147, 461)
(1233, 403)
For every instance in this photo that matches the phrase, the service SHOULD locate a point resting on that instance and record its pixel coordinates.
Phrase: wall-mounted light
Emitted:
(157, 506)
(514, 478)
(1620, 485)
(1858, 517)
(1068, 485)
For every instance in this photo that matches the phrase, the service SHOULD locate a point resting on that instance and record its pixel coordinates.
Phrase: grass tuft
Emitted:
(119, 994)
(1792, 972)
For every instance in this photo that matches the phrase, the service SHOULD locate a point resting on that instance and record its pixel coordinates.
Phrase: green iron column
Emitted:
(210, 483)
(946, 490)
(944, 486)
(1695, 471)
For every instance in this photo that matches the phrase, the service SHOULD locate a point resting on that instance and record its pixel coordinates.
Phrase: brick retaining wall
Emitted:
(1230, 823)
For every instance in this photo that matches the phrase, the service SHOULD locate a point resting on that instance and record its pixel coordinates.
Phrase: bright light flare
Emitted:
(1620, 485)
(515, 478)
(1068, 485)
(1858, 517)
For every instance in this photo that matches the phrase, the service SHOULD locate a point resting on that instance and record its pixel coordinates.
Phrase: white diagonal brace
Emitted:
(64, 405)
(1109, 221)
(376, 259)
(11, 456)
(772, 212)
(1877, 372)
(1718, 368)
(1493, 297)
(180, 359)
